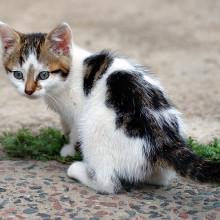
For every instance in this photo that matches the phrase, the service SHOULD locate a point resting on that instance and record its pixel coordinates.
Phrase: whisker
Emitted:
(50, 100)
(61, 104)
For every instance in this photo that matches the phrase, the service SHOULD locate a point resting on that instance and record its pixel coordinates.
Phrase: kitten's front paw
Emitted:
(66, 150)
(77, 170)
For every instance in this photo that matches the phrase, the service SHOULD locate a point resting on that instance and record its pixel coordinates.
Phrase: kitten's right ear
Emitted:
(9, 37)
(60, 39)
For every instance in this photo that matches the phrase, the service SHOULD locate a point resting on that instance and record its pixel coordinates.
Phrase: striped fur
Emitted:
(32, 54)
(111, 108)
(94, 68)
(33, 43)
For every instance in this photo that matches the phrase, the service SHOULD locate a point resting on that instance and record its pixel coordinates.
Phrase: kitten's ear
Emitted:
(9, 37)
(60, 39)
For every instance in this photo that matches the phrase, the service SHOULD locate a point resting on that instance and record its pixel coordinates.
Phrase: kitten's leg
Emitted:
(69, 149)
(99, 180)
(65, 127)
(161, 176)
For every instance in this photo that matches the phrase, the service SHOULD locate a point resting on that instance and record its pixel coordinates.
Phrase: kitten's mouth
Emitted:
(32, 96)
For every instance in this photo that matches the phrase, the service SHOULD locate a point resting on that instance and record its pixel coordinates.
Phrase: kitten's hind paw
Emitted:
(66, 150)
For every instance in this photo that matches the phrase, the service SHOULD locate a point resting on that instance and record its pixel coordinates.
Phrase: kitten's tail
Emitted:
(189, 165)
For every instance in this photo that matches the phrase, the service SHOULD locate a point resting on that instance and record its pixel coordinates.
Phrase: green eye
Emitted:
(43, 75)
(18, 75)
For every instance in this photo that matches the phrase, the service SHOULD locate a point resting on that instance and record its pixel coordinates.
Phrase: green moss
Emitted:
(47, 145)
(210, 151)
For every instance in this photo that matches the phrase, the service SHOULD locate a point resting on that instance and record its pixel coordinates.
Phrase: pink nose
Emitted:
(29, 92)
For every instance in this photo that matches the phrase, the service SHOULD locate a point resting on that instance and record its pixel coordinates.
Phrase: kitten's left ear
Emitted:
(9, 37)
(60, 39)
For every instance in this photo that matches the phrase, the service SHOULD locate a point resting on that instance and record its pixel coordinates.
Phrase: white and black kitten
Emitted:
(128, 128)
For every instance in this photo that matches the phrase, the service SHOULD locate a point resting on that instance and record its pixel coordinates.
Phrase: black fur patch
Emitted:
(190, 165)
(94, 68)
(31, 42)
(133, 99)
(7, 70)
(62, 73)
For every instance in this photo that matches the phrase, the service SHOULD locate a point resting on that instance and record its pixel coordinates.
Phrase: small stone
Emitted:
(93, 198)
(57, 205)
(60, 213)
(17, 201)
(2, 190)
(174, 208)
(69, 210)
(214, 206)
(108, 204)
(83, 192)
(131, 213)
(153, 207)
(43, 215)
(30, 211)
(190, 204)
(164, 204)
(2, 182)
(191, 192)
(211, 216)
(192, 212)
(20, 217)
(46, 183)
(89, 202)
(100, 214)
(42, 196)
(154, 214)
(161, 197)
(51, 199)
(35, 187)
(23, 183)
(11, 210)
(197, 198)
(206, 193)
(183, 215)
(9, 179)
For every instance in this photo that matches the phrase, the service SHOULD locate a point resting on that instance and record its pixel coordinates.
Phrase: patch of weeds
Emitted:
(208, 152)
(45, 146)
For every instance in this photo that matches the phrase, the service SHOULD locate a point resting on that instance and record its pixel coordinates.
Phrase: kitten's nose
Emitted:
(29, 92)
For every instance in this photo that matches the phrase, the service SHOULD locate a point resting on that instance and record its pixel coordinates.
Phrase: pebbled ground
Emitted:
(180, 41)
(41, 190)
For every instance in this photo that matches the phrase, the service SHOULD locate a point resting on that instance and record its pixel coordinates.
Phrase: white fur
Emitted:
(32, 61)
(107, 150)
(109, 154)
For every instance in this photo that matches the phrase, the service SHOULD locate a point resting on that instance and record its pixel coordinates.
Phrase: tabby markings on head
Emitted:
(95, 67)
(31, 43)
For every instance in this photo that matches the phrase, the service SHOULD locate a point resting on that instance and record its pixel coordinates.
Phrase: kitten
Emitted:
(128, 128)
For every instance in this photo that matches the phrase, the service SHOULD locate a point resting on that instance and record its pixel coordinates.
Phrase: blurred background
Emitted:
(178, 40)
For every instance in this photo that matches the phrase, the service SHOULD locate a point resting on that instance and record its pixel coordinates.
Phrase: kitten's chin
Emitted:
(33, 96)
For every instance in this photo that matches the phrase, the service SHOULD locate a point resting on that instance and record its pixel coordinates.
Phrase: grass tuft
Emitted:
(45, 146)
(208, 152)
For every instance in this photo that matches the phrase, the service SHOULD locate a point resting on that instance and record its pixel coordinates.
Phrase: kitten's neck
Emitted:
(69, 95)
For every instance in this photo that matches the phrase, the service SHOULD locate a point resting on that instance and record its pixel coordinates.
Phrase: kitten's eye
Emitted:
(43, 75)
(18, 75)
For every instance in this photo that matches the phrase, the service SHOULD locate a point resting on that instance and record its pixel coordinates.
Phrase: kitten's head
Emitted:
(37, 63)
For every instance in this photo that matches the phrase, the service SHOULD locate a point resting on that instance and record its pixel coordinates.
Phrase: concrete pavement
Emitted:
(41, 190)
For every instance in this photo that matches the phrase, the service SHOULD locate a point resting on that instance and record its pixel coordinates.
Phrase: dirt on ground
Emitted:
(178, 40)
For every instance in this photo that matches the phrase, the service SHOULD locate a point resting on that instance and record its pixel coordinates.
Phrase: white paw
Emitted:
(67, 150)
(77, 171)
